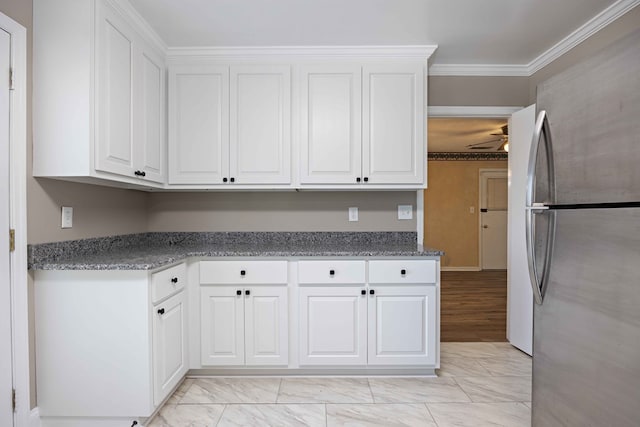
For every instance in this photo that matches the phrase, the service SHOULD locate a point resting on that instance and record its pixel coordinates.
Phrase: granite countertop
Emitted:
(147, 251)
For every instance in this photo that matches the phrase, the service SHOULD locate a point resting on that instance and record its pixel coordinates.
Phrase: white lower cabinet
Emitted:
(244, 326)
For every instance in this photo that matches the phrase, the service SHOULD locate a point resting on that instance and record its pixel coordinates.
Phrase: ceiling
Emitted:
(455, 134)
(466, 31)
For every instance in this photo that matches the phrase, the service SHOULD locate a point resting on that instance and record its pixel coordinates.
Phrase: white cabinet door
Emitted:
(198, 124)
(333, 325)
(260, 114)
(222, 325)
(169, 345)
(115, 79)
(330, 113)
(402, 325)
(150, 145)
(266, 326)
(393, 123)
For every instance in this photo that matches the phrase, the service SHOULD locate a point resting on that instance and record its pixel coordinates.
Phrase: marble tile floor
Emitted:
(479, 384)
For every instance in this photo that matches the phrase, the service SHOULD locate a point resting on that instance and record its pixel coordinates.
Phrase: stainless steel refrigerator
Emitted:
(583, 241)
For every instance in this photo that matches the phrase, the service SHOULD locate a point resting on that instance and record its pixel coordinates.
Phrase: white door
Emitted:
(6, 367)
(260, 133)
(266, 326)
(198, 124)
(330, 124)
(222, 325)
(149, 126)
(519, 294)
(169, 345)
(393, 123)
(402, 325)
(115, 80)
(333, 325)
(493, 219)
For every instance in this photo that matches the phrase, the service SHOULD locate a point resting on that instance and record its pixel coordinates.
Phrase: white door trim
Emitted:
(18, 216)
(490, 173)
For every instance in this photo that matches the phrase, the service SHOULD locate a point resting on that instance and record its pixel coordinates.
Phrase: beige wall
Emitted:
(290, 211)
(453, 188)
(478, 91)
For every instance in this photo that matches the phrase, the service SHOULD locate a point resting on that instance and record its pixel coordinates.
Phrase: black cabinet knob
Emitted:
(358, 179)
(366, 179)
(137, 173)
(247, 292)
(371, 292)
(243, 273)
(143, 173)
(174, 280)
(224, 179)
(403, 272)
(332, 272)
(232, 180)
(238, 292)
(161, 311)
(363, 292)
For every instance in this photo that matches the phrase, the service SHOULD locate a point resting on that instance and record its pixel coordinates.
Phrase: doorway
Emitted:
(493, 219)
(6, 341)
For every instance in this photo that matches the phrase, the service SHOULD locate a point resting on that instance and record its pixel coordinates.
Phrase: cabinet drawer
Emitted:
(243, 272)
(326, 272)
(402, 271)
(167, 282)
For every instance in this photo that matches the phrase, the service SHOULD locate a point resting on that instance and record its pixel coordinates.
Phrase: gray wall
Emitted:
(478, 91)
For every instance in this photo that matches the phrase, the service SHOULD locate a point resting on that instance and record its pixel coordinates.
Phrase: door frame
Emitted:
(493, 173)
(18, 218)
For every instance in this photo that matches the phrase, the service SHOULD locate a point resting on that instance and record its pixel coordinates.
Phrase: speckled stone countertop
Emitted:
(147, 251)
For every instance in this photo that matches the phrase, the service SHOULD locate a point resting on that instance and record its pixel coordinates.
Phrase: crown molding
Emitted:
(412, 53)
(589, 28)
(478, 112)
(585, 31)
(501, 70)
(127, 10)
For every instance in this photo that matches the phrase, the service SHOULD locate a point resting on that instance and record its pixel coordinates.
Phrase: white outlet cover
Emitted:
(67, 217)
(353, 214)
(405, 212)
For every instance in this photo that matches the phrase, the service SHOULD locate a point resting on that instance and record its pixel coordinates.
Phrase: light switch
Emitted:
(405, 212)
(353, 214)
(472, 209)
(67, 217)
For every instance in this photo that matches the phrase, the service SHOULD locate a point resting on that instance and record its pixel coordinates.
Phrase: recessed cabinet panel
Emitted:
(198, 124)
(266, 327)
(222, 326)
(402, 329)
(330, 124)
(333, 326)
(114, 149)
(151, 124)
(393, 124)
(260, 135)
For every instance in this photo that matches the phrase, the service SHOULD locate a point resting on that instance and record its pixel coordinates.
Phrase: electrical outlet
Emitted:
(353, 214)
(405, 212)
(67, 217)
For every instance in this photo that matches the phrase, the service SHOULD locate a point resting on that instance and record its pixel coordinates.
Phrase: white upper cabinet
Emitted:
(198, 124)
(330, 124)
(99, 98)
(260, 142)
(393, 123)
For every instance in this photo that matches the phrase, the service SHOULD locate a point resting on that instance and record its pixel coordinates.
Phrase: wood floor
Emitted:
(473, 306)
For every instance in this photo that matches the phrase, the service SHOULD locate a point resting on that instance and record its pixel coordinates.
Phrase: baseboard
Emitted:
(34, 418)
(460, 269)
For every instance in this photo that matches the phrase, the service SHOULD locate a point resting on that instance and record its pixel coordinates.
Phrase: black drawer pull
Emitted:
(243, 273)
(224, 179)
(332, 272)
(403, 272)
(174, 280)
(358, 179)
(371, 292)
(363, 292)
(247, 292)
(238, 292)
(366, 179)
(232, 180)
(161, 311)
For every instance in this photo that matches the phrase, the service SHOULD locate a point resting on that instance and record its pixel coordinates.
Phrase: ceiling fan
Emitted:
(499, 144)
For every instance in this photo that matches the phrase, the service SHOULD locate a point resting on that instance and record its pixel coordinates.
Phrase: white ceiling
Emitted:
(466, 31)
(456, 134)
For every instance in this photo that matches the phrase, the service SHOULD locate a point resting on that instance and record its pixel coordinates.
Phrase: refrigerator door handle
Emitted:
(539, 284)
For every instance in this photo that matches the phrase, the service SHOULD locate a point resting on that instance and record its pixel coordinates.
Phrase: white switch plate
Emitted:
(472, 209)
(353, 214)
(405, 212)
(67, 217)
